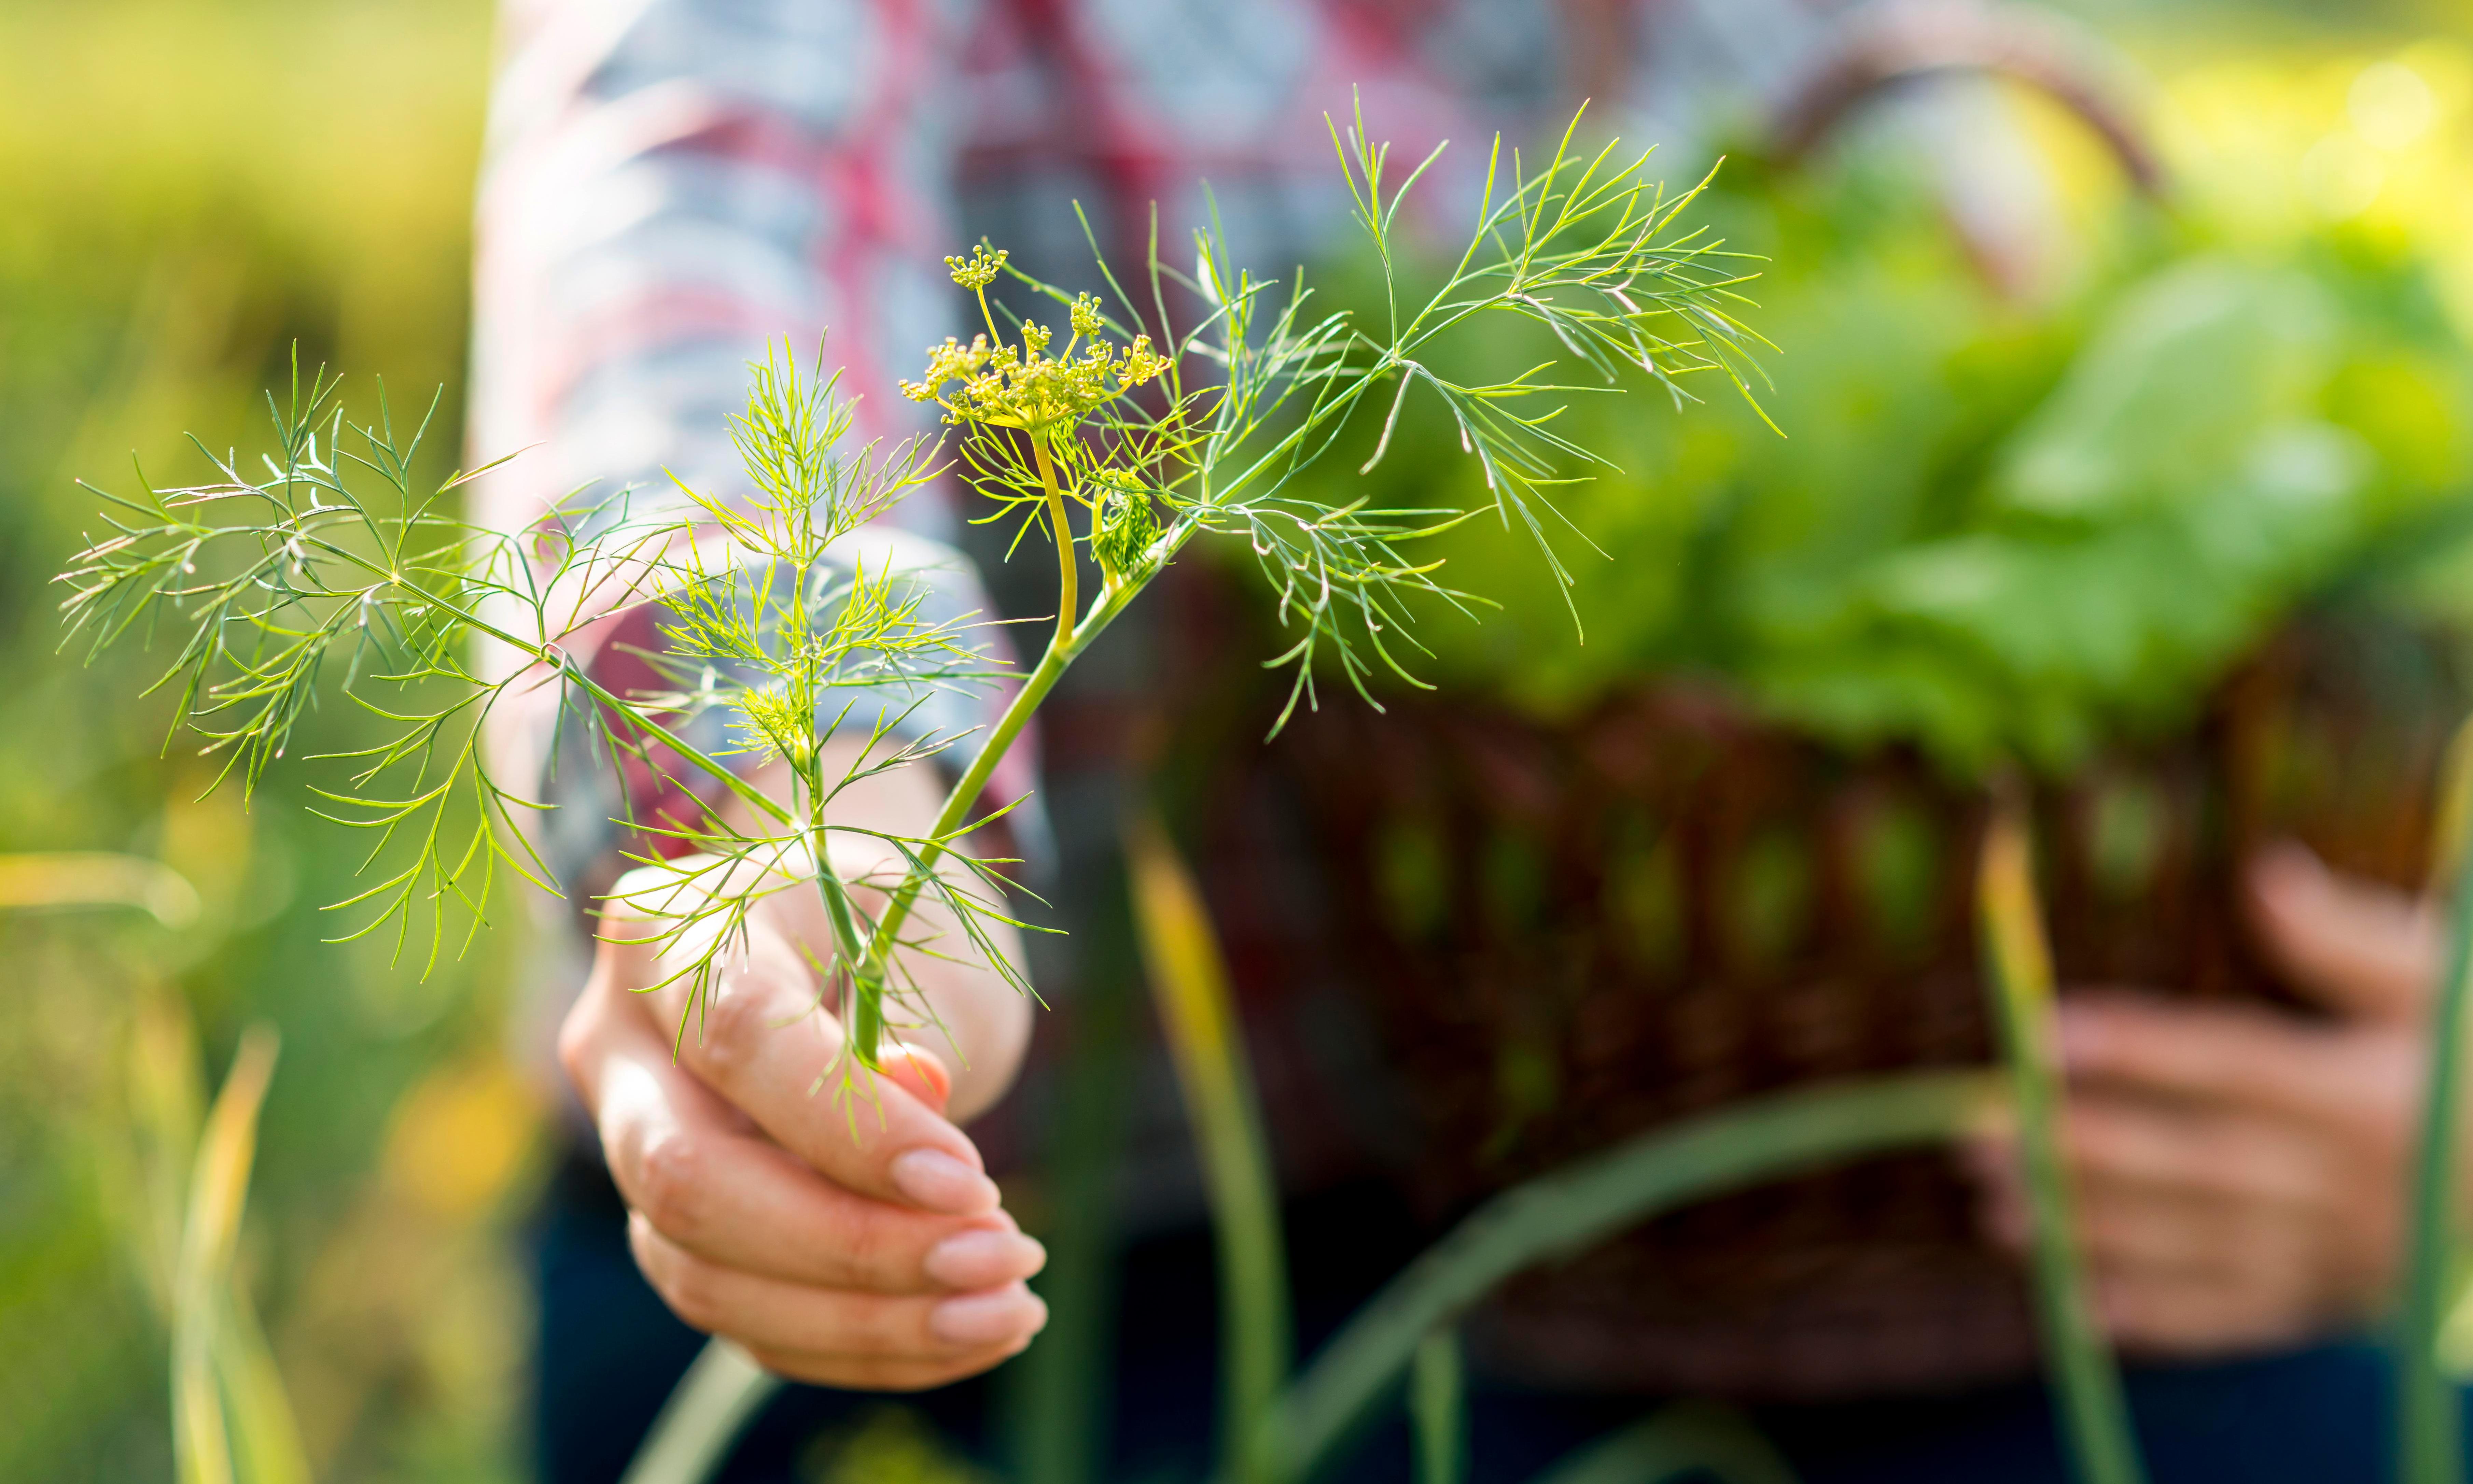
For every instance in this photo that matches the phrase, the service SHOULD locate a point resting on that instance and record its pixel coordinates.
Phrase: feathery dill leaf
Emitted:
(336, 570)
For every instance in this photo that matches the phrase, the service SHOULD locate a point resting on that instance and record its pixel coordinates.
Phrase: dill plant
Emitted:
(331, 568)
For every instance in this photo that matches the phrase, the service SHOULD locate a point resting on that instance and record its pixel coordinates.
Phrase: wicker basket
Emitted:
(1578, 933)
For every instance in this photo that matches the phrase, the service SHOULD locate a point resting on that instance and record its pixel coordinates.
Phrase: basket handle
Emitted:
(1894, 41)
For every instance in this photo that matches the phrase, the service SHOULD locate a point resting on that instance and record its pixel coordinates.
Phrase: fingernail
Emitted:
(982, 1259)
(933, 1180)
(926, 1077)
(1012, 1312)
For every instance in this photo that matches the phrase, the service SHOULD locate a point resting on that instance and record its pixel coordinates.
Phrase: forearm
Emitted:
(640, 235)
(660, 199)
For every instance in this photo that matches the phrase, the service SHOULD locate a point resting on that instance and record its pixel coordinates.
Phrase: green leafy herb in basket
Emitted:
(1990, 530)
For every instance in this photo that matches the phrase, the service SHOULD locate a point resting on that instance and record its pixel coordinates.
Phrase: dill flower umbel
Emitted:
(1022, 386)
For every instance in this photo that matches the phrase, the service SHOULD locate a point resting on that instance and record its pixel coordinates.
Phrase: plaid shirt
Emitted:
(671, 182)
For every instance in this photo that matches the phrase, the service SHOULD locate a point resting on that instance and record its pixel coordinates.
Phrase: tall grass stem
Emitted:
(1566, 1212)
(2093, 1416)
(1058, 1396)
(1188, 981)
(1438, 1408)
(1692, 1440)
(2430, 1444)
(229, 1417)
(699, 1424)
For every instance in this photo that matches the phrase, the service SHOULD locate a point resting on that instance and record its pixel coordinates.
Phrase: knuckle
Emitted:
(2268, 1172)
(680, 1279)
(2091, 1141)
(730, 1018)
(879, 1328)
(870, 1251)
(691, 1300)
(579, 1034)
(673, 1173)
(639, 884)
(687, 1286)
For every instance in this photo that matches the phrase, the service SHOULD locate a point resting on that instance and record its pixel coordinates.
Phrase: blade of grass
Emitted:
(167, 1105)
(2430, 1445)
(218, 1192)
(1057, 1395)
(1438, 1408)
(62, 879)
(692, 1438)
(2093, 1416)
(1188, 981)
(1768, 1139)
(1691, 1440)
(265, 1434)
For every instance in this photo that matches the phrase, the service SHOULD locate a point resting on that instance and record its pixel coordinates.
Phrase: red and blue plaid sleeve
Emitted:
(669, 184)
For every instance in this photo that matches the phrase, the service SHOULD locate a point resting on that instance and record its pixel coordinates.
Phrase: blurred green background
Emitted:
(192, 188)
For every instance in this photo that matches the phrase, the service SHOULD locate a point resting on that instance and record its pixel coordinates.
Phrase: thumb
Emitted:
(2365, 951)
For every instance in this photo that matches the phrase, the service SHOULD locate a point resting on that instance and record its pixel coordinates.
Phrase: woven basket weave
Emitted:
(1573, 934)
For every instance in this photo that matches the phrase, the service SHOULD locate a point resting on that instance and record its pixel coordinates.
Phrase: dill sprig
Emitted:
(1131, 438)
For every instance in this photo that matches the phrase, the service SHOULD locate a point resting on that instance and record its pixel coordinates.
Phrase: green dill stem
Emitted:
(848, 940)
(867, 1026)
(755, 796)
(1068, 573)
(2430, 1442)
(1035, 686)
(2093, 1416)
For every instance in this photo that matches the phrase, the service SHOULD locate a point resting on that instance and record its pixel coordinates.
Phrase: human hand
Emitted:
(2239, 1170)
(848, 1238)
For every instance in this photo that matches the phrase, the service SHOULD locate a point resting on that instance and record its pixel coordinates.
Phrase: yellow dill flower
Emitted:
(950, 360)
(1024, 387)
(977, 271)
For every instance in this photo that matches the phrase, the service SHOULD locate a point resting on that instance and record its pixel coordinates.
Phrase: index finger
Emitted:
(728, 1194)
(2358, 947)
(755, 1030)
(2243, 1054)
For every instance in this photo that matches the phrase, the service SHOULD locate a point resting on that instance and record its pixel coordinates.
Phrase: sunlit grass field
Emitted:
(191, 190)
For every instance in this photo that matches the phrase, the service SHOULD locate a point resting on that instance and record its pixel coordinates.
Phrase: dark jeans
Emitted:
(609, 1353)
